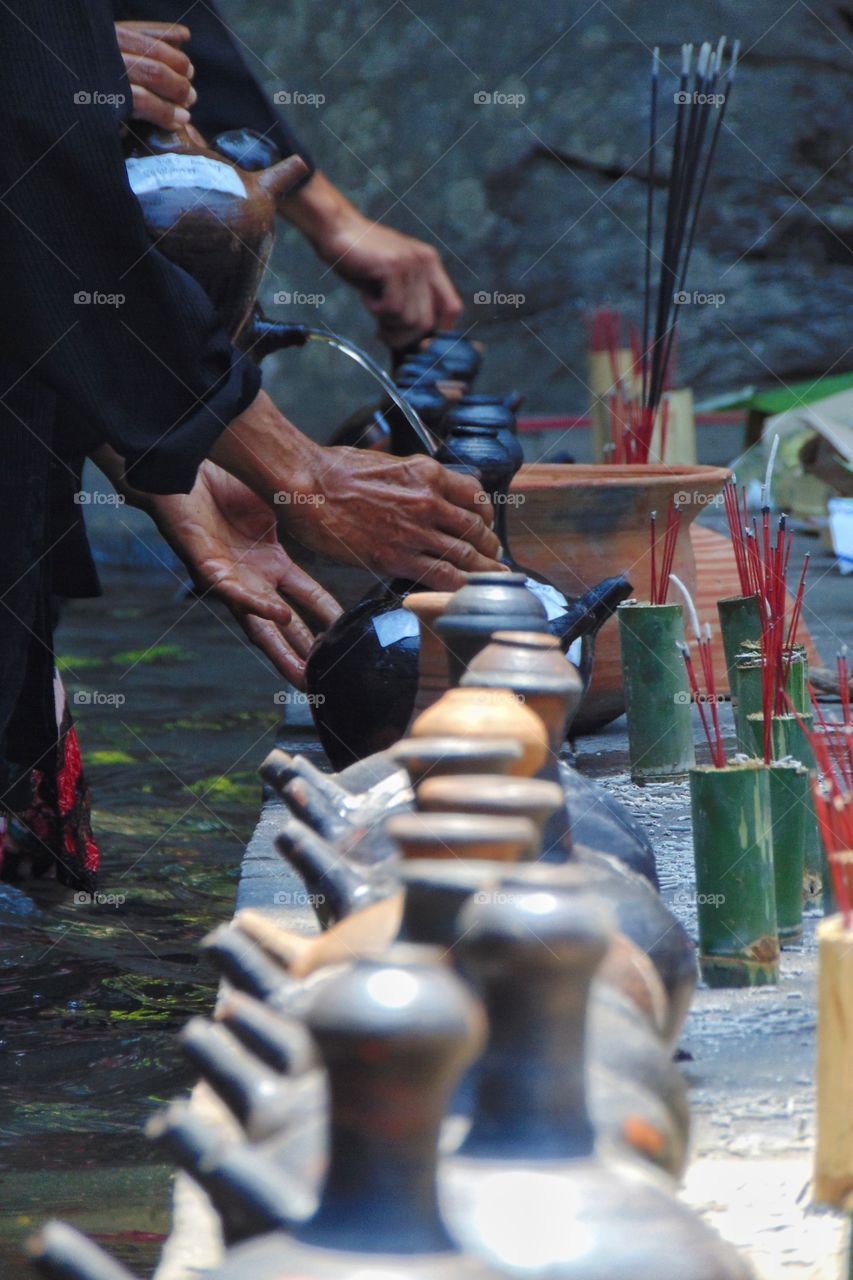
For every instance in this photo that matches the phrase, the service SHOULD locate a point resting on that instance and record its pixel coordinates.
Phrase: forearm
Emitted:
(268, 453)
(318, 209)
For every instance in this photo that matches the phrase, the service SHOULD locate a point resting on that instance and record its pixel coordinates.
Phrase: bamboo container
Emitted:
(793, 820)
(735, 886)
(747, 693)
(790, 810)
(739, 624)
(657, 692)
(681, 418)
(833, 1170)
(788, 739)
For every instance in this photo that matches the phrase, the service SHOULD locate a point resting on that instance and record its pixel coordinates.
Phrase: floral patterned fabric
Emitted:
(49, 832)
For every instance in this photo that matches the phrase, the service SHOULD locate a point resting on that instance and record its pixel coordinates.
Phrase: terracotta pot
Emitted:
(580, 523)
(474, 837)
(487, 713)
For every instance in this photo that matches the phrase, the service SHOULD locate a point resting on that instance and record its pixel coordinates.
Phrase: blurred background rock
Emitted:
(544, 197)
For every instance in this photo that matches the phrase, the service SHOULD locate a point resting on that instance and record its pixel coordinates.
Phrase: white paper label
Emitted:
(553, 600)
(394, 626)
(154, 173)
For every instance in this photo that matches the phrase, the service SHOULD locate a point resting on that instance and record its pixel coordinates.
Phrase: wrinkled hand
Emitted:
(226, 536)
(402, 280)
(403, 517)
(158, 71)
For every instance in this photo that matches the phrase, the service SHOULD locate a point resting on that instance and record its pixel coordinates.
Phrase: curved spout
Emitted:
(281, 177)
(251, 1090)
(336, 885)
(59, 1252)
(262, 336)
(250, 1194)
(586, 615)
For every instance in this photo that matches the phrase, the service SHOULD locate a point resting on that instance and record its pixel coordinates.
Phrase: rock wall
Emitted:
(537, 195)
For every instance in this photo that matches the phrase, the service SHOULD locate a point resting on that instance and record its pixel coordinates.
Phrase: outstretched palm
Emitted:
(226, 536)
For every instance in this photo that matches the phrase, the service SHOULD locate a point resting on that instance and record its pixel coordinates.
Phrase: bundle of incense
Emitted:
(638, 401)
(660, 580)
(703, 93)
(833, 798)
(836, 736)
(737, 517)
(708, 696)
(777, 643)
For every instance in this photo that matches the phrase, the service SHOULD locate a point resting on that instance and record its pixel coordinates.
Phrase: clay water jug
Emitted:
(429, 384)
(394, 1035)
(211, 217)
(527, 1190)
(458, 356)
(363, 671)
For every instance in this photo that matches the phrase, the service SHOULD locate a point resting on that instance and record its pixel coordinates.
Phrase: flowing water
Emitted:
(91, 995)
(426, 437)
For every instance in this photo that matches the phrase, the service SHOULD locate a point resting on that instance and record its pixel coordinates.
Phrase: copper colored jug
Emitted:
(211, 217)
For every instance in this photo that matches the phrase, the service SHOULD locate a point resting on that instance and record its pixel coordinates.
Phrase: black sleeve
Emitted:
(154, 374)
(229, 97)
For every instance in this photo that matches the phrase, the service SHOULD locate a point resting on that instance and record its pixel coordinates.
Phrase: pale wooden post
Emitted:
(833, 1180)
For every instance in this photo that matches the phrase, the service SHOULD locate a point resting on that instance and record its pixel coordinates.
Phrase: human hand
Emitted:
(158, 71)
(402, 280)
(404, 517)
(226, 536)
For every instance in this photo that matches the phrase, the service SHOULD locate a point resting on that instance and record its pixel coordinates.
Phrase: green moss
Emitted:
(74, 662)
(108, 757)
(154, 653)
(242, 788)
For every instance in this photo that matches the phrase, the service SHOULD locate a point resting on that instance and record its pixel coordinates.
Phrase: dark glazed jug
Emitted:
(394, 1035)
(208, 215)
(362, 673)
(526, 1190)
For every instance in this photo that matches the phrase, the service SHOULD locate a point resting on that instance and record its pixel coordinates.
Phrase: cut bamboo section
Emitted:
(716, 579)
(833, 1179)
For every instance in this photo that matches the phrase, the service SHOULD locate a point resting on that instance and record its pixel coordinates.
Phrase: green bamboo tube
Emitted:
(657, 693)
(790, 809)
(746, 693)
(788, 739)
(735, 887)
(740, 623)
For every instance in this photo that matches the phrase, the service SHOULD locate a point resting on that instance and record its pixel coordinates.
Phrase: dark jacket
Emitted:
(155, 375)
